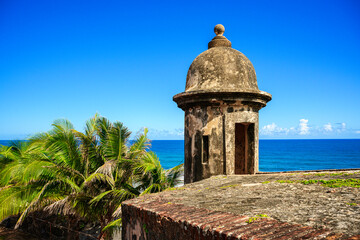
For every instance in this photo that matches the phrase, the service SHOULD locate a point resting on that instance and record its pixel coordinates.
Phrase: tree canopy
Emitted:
(80, 174)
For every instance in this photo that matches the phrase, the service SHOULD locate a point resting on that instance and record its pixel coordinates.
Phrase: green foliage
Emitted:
(113, 226)
(285, 181)
(265, 182)
(332, 183)
(177, 188)
(307, 182)
(352, 204)
(145, 228)
(335, 183)
(83, 174)
(333, 174)
(257, 217)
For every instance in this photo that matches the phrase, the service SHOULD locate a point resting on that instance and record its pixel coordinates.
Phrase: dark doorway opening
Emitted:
(244, 143)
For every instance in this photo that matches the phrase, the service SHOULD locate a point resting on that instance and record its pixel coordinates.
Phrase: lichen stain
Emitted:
(211, 126)
(192, 79)
(194, 122)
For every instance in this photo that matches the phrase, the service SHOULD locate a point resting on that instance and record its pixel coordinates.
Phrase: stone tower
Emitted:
(221, 104)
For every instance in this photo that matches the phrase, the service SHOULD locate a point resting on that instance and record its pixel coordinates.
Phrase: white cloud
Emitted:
(272, 129)
(328, 127)
(303, 127)
(340, 127)
(268, 129)
(155, 134)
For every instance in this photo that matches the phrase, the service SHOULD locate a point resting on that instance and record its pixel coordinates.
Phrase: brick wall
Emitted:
(162, 220)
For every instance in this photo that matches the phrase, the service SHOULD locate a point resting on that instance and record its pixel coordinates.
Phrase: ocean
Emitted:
(281, 155)
(278, 155)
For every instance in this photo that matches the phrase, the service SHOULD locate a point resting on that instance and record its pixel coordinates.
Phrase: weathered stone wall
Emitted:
(243, 114)
(203, 121)
(157, 220)
(217, 121)
(222, 208)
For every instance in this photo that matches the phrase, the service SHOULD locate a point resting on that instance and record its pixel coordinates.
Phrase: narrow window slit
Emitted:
(205, 149)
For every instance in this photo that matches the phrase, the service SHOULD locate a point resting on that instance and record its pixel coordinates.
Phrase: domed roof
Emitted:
(221, 68)
(221, 74)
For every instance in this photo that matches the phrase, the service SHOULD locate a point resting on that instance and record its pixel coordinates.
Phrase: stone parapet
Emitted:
(226, 207)
(161, 220)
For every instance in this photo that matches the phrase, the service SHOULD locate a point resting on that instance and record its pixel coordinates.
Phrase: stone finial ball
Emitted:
(219, 30)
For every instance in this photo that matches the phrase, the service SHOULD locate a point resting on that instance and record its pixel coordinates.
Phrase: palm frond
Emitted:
(112, 226)
(98, 177)
(153, 188)
(32, 205)
(174, 174)
(140, 145)
(62, 206)
(117, 212)
(14, 200)
(107, 168)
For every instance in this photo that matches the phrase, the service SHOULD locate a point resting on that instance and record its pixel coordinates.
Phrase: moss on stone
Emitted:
(230, 186)
(352, 204)
(257, 217)
(332, 183)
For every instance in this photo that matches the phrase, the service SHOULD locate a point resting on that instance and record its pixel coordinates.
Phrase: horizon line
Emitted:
(259, 139)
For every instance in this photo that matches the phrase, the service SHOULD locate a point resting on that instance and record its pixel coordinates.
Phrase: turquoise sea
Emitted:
(282, 155)
(278, 155)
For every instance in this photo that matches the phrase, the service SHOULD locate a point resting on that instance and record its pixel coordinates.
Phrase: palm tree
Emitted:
(147, 177)
(123, 175)
(82, 175)
(152, 177)
(19, 183)
(44, 170)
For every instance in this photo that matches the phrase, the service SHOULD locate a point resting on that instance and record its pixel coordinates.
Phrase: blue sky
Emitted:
(126, 60)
